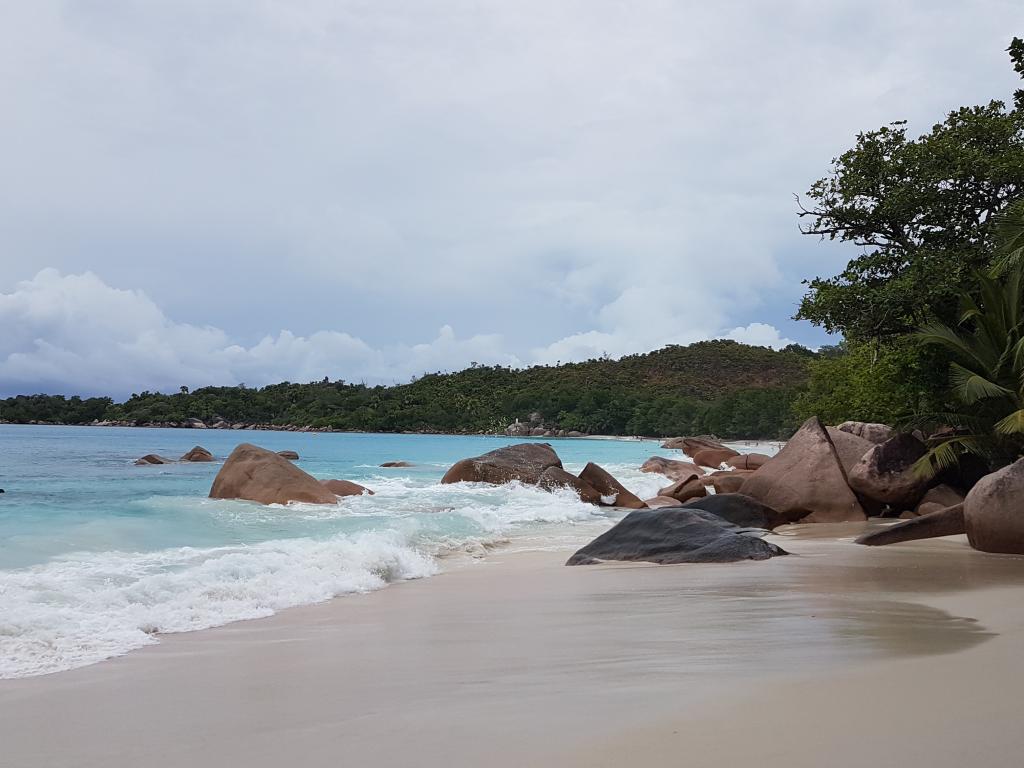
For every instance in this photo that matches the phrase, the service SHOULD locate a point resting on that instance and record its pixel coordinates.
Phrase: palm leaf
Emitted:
(1012, 424)
(972, 387)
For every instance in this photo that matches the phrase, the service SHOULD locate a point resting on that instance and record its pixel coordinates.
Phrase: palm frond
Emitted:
(972, 387)
(1012, 424)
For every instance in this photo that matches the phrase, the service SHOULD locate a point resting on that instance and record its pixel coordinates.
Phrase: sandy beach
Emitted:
(836, 655)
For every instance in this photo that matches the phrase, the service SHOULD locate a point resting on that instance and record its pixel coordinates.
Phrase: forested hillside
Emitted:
(718, 387)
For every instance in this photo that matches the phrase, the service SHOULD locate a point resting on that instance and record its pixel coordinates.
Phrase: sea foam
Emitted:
(82, 608)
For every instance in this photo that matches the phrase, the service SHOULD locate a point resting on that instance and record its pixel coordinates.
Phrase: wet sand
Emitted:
(837, 655)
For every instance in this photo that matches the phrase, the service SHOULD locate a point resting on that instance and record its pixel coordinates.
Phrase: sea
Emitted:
(99, 556)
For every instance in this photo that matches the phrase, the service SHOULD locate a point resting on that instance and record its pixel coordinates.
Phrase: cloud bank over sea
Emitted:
(76, 334)
(234, 191)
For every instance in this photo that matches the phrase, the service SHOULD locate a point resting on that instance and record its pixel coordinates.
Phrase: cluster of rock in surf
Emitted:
(197, 454)
(721, 528)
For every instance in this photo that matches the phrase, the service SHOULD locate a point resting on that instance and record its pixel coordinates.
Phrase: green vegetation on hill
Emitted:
(718, 387)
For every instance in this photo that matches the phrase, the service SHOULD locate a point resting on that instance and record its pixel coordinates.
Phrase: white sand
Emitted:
(840, 655)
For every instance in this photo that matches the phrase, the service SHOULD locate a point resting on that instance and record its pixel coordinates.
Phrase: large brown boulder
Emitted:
(874, 433)
(849, 448)
(525, 462)
(345, 488)
(690, 445)
(257, 474)
(610, 488)
(684, 490)
(556, 477)
(885, 474)
(805, 481)
(727, 480)
(994, 511)
(198, 453)
(939, 497)
(748, 461)
(713, 457)
(670, 468)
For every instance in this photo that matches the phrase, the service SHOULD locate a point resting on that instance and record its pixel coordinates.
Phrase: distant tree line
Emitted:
(720, 387)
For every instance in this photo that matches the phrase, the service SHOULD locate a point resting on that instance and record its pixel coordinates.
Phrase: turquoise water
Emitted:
(98, 556)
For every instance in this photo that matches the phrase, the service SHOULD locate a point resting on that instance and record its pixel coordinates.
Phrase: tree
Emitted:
(987, 373)
(923, 210)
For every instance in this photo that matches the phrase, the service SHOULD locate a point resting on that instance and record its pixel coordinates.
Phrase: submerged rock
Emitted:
(608, 487)
(525, 462)
(345, 488)
(198, 453)
(675, 535)
(290, 455)
(556, 477)
(256, 474)
(152, 458)
(393, 464)
(806, 481)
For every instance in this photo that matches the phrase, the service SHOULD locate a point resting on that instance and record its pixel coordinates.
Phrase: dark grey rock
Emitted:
(740, 509)
(676, 535)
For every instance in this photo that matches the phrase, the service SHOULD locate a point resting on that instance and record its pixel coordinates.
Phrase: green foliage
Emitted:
(924, 211)
(721, 387)
(887, 383)
(53, 409)
(987, 372)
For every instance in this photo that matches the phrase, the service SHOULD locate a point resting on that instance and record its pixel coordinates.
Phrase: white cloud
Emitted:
(759, 335)
(554, 178)
(75, 333)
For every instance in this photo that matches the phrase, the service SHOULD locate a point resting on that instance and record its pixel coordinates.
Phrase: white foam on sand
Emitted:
(80, 609)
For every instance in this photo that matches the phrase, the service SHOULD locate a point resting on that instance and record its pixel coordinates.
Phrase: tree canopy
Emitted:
(722, 387)
(923, 211)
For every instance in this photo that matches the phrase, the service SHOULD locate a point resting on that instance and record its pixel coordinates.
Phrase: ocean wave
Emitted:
(83, 608)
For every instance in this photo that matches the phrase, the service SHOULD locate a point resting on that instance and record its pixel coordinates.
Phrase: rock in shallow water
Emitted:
(525, 462)
(556, 477)
(198, 453)
(345, 488)
(256, 474)
(676, 535)
(609, 487)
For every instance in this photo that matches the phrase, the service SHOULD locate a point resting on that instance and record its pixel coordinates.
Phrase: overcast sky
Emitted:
(224, 191)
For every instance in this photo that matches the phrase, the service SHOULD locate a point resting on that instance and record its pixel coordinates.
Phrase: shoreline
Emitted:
(517, 659)
(332, 431)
